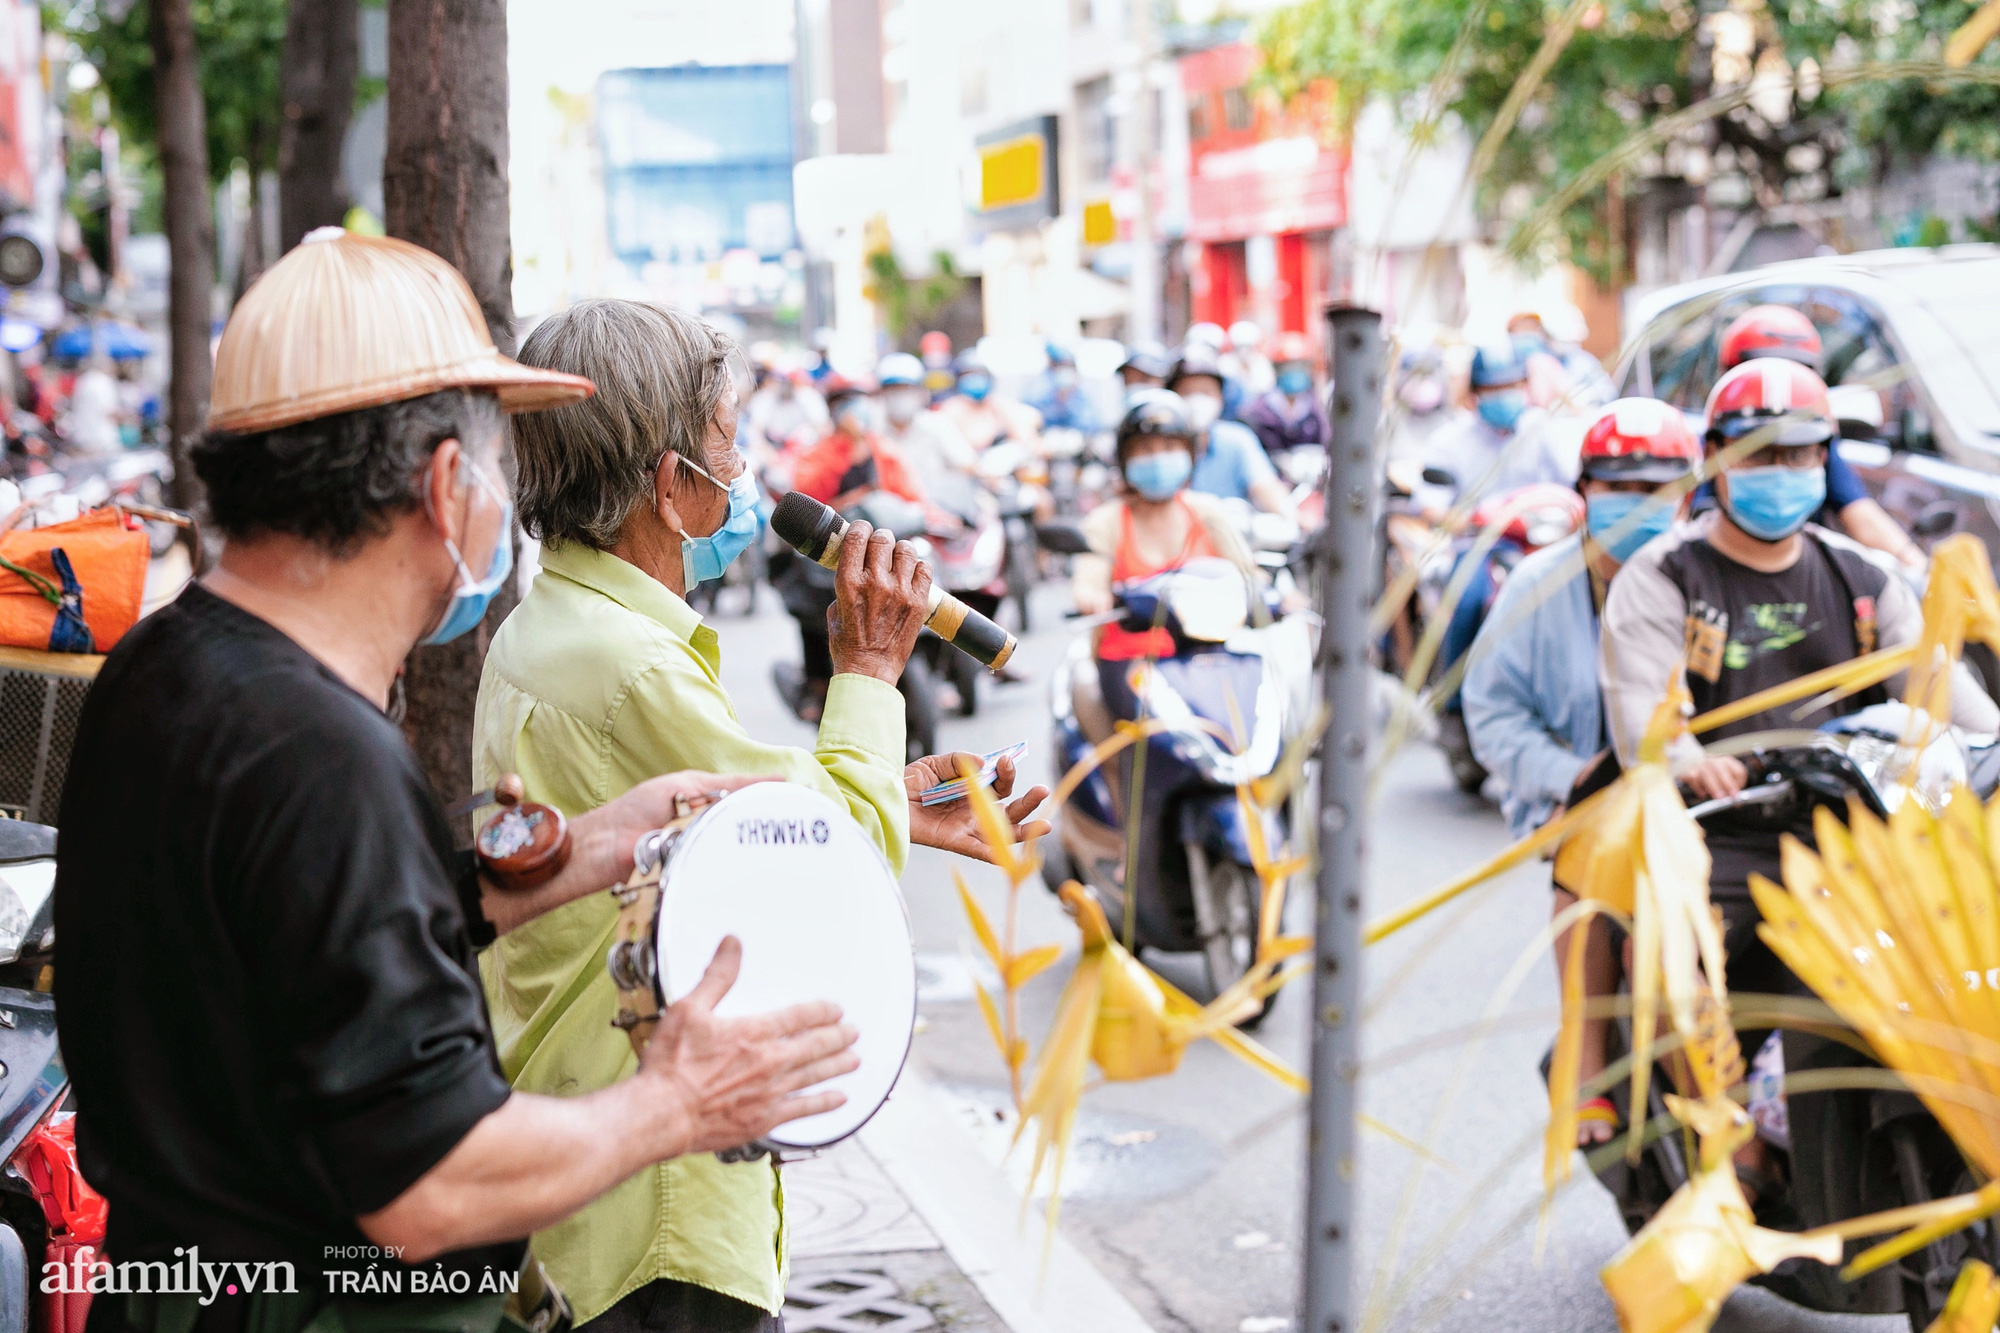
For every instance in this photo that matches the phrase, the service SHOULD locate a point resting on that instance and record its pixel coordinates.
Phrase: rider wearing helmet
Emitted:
(1062, 401)
(1780, 332)
(1532, 703)
(853, 459)
(1562, 376)
(985, 416)
(1146, 366)
(1753, 594)
(1245, 363)
(928, 441)
(1288, 414)
(1506, 442)
(1229, 460)
(1157, 523)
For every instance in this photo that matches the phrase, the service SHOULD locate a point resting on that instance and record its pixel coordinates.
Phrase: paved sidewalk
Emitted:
(908, 1227)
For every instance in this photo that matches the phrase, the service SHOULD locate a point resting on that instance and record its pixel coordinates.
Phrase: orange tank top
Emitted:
(1117, 644)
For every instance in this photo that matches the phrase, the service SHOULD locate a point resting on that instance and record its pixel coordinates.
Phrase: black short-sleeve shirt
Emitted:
(268, 1000)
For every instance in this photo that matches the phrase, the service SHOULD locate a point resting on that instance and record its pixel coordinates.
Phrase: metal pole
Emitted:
(1345, 560)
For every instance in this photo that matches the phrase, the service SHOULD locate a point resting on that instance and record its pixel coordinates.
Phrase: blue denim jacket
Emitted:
(1532, 701)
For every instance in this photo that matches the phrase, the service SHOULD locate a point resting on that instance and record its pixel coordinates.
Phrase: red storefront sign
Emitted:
(1257, 169)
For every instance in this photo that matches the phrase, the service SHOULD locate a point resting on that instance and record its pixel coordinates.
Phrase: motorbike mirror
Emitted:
(1934, 522)
(1061, 538)
(1437, 476)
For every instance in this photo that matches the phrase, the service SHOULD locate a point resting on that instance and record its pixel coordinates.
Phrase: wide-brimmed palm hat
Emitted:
(347, 321)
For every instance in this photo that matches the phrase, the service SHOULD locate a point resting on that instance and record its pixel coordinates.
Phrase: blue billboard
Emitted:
(697, 161)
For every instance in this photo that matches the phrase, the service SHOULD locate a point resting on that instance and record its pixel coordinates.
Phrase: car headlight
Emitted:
(25, 892)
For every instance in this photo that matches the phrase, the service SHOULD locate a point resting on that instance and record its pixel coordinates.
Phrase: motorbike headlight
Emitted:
(25, 890)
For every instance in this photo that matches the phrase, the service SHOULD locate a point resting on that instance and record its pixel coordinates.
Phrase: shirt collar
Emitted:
(631, 587)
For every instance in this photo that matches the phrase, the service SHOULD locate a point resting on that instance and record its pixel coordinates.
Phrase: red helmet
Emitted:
(1639, 439)
(1770, 330)
(1768, 391)
(1536, 515)
(1290, 346)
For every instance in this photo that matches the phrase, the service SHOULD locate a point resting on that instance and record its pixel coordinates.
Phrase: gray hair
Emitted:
(660, 374)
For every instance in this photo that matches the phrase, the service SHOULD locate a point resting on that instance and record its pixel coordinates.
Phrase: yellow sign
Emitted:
(1100, 225)
(1010, 172)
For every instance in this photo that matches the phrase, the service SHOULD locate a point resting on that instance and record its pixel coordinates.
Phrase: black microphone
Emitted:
(814, 531)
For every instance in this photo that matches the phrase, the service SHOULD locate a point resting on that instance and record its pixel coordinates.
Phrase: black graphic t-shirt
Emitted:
(1748, 630)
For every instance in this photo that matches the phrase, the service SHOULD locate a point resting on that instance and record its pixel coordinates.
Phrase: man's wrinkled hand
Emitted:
(881, 592)
(725, 1082)
(604, 838)
(954, 827)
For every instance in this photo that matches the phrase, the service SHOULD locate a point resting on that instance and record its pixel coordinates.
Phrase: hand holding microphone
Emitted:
(875, 587)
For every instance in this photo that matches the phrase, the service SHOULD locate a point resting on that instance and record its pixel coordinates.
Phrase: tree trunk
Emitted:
(444, 187)
(190, 219)
(322, 59)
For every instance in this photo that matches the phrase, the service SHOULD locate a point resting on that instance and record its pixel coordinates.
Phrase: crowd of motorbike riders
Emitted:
(1622, 538)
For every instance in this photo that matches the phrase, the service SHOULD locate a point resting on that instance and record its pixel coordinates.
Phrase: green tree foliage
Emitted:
(909, 305)
(241, 44)
(1628, 63)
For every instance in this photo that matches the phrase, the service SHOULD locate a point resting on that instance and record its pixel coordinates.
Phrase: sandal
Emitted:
(1597, 1111)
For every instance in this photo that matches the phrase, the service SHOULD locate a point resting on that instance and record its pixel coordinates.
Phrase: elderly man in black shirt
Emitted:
(266, 983)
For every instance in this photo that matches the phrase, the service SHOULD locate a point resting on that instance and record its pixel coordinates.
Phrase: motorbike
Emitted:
(968, 560)
(1080, 468)
(1195, 887)
(1528, 518)
(1834, 1154)
(48, 1213)
(807, 591)
(1016, 477)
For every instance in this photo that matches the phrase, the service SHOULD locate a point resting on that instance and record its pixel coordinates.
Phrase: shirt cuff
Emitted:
(479, 931)
(866, 714)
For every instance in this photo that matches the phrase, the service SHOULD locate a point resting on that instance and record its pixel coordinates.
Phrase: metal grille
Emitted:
(851, 1302)
(38, 715)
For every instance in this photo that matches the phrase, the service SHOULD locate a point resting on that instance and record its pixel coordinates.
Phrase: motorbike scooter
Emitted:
(1194, 887)
(1529, 518)
(1832, 1154)
(968, 557)
(807, 591)
(48, 1214)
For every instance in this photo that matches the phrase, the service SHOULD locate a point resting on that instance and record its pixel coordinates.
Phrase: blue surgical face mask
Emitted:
(704, 558)
(1501, 410)
(1294, 380)
(1063, 377)
(975, 387)
(1605, 512)
(1159, 476)
(1528, 344)
(469, 602)
(1772, 503)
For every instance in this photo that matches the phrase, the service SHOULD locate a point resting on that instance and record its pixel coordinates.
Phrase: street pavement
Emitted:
(1186, 1192)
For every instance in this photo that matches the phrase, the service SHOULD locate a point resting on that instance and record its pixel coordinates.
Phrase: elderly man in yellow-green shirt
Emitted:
(604, 677)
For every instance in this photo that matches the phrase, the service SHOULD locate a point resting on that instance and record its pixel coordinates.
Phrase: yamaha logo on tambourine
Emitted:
(789, 873)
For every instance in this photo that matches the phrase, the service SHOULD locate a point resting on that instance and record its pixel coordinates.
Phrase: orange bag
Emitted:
(95, 566)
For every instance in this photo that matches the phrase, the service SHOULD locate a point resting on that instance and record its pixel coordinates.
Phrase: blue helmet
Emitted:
(1494, 367)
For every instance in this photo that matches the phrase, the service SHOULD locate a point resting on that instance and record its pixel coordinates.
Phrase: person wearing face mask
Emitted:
(854, 459)
(1506, 442)
(1754, 594)
(1229, 462)
(1159, 523)
(1532, 704)
(1062, 402)
(1289, 414)
(985, 416)
(1146, 366)
(258, 882)
(928, 442)
(604, 676)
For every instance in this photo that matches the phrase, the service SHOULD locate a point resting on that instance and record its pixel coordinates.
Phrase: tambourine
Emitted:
(790, 874)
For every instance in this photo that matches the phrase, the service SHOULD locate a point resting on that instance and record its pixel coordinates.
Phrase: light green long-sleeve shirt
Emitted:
(600, 679)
